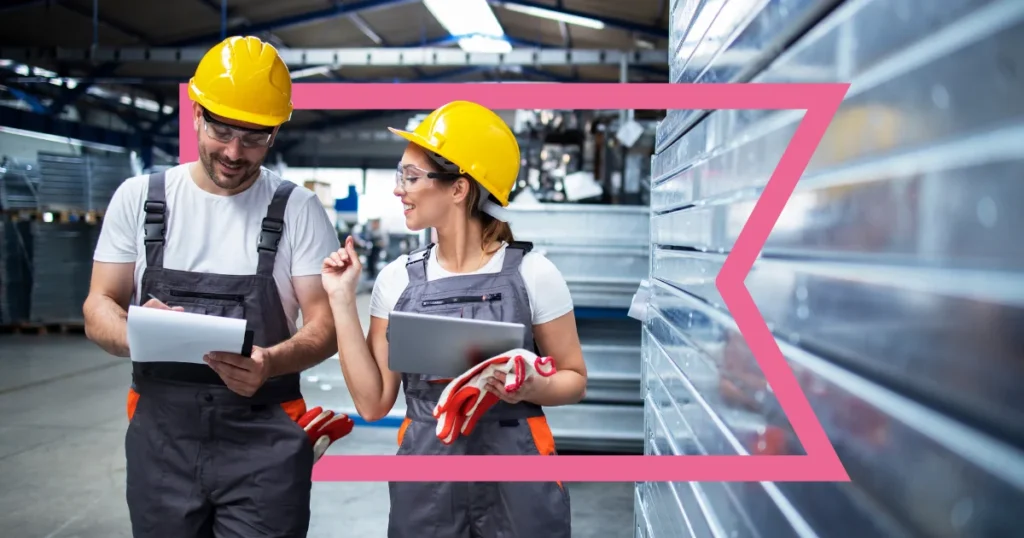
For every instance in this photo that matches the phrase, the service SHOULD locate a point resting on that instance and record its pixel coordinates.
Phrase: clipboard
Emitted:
(247, 343)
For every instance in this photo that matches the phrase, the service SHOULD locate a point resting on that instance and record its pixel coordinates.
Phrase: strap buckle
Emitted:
(154, 223)
(270, 234)
(155, 207)
(419, 255)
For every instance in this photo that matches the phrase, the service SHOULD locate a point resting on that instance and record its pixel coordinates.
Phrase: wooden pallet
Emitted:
(73, 327)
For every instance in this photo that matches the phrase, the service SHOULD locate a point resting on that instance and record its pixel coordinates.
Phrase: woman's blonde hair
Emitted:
(494, 229)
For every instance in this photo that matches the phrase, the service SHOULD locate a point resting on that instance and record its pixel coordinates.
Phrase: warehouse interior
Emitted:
(891, 283)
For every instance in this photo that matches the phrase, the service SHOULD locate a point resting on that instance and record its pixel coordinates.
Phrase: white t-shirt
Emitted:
(209, 233)
(545, 286)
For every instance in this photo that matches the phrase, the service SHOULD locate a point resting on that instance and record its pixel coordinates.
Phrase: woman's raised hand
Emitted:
(340, 272)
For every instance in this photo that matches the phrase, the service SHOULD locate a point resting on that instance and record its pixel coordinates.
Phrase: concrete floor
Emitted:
(62, 423)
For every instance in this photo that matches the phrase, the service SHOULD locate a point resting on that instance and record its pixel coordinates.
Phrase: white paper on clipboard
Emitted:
(156, 335)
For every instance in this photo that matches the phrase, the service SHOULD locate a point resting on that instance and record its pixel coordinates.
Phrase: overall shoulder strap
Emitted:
(272, 228)
(416, 265)
(155, 224)
(514, 253)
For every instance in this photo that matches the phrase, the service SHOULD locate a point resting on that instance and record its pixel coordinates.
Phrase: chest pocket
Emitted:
(226, 305)
(487, 306)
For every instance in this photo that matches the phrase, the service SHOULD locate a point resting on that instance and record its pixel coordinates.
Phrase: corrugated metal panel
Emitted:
(65, 181)
(892, 281)
(80, 182)
(715, 41)
(105, 175)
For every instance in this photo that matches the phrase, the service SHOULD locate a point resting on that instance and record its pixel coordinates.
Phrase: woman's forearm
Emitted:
(362, 374)
(566, 387)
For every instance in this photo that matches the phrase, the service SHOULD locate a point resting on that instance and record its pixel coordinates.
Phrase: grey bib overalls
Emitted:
(202, 460)
(477, 510)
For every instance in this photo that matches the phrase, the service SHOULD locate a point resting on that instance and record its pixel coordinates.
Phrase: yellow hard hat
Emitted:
(474, 141)
(244, 79)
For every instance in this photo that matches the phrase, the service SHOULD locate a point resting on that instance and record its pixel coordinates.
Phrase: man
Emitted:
(376, 239)
(215, 449)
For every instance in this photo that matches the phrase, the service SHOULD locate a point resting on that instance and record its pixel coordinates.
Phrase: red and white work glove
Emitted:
(323, 428)
(466, 398)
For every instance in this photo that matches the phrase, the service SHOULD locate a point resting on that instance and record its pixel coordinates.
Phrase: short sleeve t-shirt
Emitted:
(210, 233)
(548, 293)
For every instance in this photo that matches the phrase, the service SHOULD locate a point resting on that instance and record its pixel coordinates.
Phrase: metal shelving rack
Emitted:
(891, 282)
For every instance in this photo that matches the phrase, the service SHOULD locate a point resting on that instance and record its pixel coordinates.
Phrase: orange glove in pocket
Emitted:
(324, 427)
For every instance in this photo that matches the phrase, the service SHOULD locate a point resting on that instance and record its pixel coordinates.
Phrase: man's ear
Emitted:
(197, 115)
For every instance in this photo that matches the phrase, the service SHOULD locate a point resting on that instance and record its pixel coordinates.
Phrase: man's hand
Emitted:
(243, 375)
(153, 302)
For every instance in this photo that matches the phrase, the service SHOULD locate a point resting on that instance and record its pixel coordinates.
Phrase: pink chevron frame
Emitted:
(821, 101)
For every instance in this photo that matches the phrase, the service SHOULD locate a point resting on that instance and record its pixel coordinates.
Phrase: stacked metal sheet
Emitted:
(106, 173)
(80, 182)
(892, 281)
(602, 251)
(15, 271)
(62, 268)
(19, 182)
(64, 184)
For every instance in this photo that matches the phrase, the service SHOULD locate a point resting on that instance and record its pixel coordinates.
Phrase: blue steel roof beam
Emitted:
(32, 101)
(130, 116)
(41, 123)
(310, 17)
(104, 70)
(609, 22)
(28, 85)
(71, 95)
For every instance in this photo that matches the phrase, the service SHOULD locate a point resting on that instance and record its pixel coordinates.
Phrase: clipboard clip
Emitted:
(247, 343)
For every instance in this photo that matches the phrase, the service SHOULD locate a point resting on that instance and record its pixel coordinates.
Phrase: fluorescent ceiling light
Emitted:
(471, 22)
(311, 72)
(554, 15)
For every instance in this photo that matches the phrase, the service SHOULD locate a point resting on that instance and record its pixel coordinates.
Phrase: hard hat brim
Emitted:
(414, 138)
(264, 120)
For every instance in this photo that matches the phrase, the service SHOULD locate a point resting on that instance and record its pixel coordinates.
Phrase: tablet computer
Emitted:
(446, 346)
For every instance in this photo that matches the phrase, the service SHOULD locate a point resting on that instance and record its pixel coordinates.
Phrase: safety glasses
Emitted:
(221, 132)
(410, 177)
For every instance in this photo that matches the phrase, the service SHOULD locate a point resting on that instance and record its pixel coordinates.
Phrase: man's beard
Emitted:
(248, 170)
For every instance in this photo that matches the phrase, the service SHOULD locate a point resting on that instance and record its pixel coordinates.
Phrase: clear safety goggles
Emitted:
(410, 177)
(222, 132)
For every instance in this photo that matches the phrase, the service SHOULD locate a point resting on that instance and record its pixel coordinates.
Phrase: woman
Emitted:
(455, 176)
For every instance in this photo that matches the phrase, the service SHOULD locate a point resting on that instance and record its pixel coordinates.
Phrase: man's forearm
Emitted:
(106, 324)
(310, 345)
